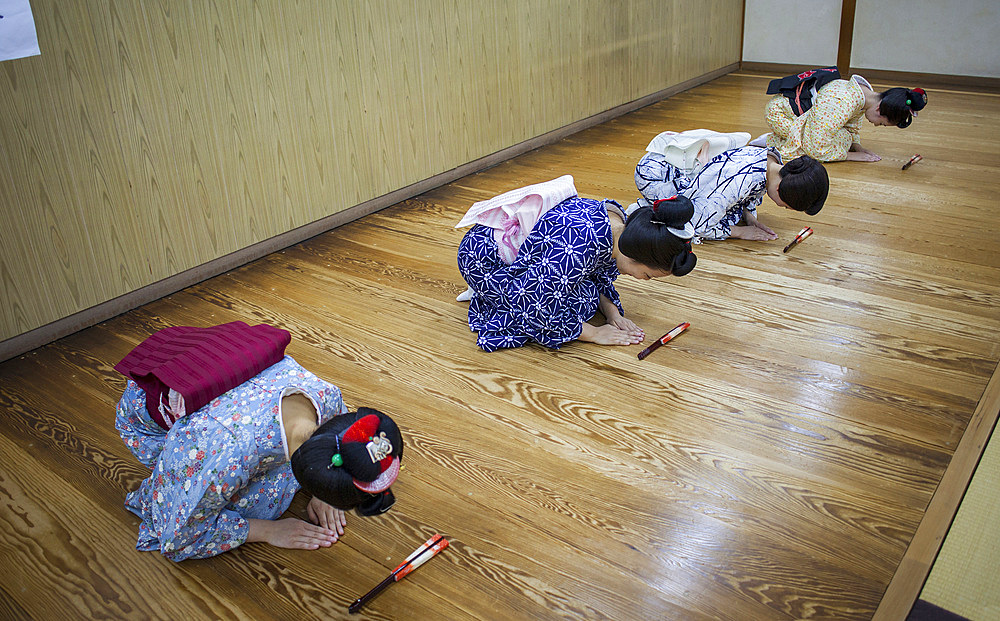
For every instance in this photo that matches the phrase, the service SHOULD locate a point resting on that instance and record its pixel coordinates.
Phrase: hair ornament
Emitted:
(657, 202)
(380, 450)
(379, 447)
(337, 460)
(686, 233)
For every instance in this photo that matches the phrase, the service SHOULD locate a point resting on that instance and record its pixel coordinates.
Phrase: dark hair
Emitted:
(648, 240)
(898, 105)
(311, 464)
(804, 185)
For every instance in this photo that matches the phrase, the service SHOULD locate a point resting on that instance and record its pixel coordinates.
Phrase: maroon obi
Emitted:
(200, 363)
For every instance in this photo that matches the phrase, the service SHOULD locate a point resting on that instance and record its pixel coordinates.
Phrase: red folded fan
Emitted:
(200, 363)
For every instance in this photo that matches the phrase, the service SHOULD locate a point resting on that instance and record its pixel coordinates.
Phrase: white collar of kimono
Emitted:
(863, 82)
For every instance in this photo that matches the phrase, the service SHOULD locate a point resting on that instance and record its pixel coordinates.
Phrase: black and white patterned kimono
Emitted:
(723, 191)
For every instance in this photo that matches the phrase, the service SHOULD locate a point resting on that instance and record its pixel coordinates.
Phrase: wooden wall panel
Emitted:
(62, 180)
(339, 172)
(150, 138)
(784, 459)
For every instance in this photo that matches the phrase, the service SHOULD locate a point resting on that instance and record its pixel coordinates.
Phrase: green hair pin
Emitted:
(337, 460)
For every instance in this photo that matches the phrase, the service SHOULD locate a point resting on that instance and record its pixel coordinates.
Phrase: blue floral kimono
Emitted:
(219, 466)
(730, 185)
(554, 284)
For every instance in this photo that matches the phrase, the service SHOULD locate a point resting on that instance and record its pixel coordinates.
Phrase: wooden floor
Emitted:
(774, 462)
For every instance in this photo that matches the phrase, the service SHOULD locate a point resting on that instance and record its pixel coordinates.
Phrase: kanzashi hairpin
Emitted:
(336, 460)
(379, 447)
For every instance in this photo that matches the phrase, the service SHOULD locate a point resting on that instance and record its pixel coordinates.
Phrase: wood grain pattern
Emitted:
(775, 462)
(908, 581)
(217, 125)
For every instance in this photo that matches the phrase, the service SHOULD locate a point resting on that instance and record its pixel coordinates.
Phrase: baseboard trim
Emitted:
(772, 69)
(965, 83)
(18, 345)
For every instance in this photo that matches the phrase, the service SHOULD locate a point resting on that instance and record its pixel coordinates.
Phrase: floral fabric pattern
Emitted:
(827, 130)
(219, 466)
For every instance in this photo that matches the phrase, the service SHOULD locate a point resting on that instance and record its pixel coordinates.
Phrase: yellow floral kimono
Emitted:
(827, 130)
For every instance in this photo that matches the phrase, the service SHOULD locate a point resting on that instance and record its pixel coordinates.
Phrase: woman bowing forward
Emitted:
(563, 272)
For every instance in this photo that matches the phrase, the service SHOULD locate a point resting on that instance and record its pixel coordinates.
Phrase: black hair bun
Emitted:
(916, 99)
(684, 262)
(799, 164)
(675, 211)
(355, 478)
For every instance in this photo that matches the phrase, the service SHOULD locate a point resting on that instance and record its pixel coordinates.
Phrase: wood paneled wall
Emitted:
(152, 137)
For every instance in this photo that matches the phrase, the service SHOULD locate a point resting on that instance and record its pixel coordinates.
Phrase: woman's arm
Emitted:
(608, 334)
(752, 233)
(754, 229)
(188, 504)
(858, 153)
(831, 127)
(608, 309)
(728, 190)
(614, 317)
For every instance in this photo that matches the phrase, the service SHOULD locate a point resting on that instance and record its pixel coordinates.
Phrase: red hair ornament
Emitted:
(656, 203)
(916, 100)
(379, 449)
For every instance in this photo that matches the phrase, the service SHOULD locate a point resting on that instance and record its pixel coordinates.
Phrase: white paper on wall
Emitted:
(17, 30)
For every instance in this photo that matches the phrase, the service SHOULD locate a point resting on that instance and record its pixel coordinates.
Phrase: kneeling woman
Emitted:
(223, 474)
(564, 272)
(728, 189)
(827, 126)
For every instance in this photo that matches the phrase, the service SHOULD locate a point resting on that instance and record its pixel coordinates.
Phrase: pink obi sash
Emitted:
(513, 214)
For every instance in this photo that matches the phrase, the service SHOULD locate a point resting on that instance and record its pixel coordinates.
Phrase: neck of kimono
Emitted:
(617, 226)
(300, 419)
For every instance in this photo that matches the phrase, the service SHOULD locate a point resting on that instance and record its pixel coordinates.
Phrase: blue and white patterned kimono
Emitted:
(218, 466)
(730, 185)
(554, 284)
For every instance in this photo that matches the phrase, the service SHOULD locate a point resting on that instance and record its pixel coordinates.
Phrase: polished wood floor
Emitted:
(774, 462)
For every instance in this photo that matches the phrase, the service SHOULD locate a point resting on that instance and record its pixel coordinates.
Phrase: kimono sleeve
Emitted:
(831, 127)
(187, 496)
(714, 222)
(550, 277)
(779, 116)
(726, 192)
(605, 281)
(330, 400)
